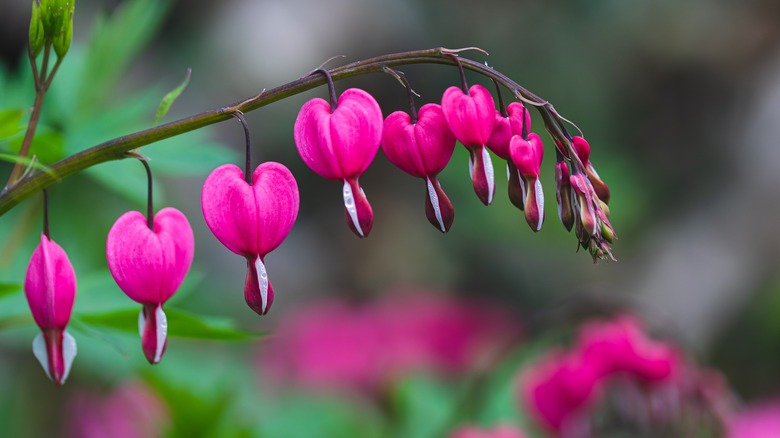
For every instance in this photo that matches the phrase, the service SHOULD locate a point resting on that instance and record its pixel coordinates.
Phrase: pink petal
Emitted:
(357, 211)
(50, 285)
(582, 148)
(150, 265)
(313, 140)
(482, 174)
(534, 203)
(438, 208)
(154, 332)
(419, 149)
(55, 349)
(470, 116)
(400, 144)
(258, 292)
(519, 118)
(527, 154)
(250, 220)
(499, 138)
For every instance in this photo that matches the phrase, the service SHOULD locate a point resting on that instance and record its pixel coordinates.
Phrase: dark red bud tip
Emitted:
(154, 332)
(534, 204)
(516, 187)
(601, 189)
(438, 208)
(55, 349)
(258, 292)
(357, 210)
(481, 171)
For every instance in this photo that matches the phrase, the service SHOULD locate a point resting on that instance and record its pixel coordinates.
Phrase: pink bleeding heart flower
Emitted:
(527, 156)
(423, 149)
(252, 220)
(517, 121)
(149, 265)
(471, 118)
(582, 147)
(339, 144)
(50, 288)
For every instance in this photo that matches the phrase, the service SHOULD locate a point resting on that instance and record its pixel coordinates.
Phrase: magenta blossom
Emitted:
(149, 265)
(517, 121)
(339, 143)
(527, 156)
(503, 431)
(50, 288)
(759, 420)
(422, 149)
(471, 118)
(251, 220)
(582, 147)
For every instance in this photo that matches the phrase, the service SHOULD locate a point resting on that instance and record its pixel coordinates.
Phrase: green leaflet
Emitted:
(168, 99)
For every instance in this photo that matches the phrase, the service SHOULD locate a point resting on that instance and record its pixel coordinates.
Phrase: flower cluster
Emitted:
(614, 361)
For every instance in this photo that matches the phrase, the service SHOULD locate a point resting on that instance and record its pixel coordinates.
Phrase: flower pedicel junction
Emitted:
(252, 211)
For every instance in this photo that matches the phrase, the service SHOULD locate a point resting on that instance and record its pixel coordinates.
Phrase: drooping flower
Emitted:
(338, 142)
(149, 265)
(50, 288)
(594, 231)
(582, 147)
(471, 118)
(563, 195)
(251, 220)
(516, 121)
(422, 148)
(527, 156)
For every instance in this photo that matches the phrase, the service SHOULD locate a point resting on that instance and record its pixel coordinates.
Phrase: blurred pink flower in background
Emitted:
(333, 344)
(131, 410)
(503, 431)
(760, 420)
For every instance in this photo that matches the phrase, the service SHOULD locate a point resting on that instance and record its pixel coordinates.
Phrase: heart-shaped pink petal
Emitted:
(470, 116)
(420, 149)
(250, 220)
(50, 285)
(150, 265)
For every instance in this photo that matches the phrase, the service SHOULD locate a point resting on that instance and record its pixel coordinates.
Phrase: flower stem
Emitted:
(46, 231)
(115, 149)
(248, 150)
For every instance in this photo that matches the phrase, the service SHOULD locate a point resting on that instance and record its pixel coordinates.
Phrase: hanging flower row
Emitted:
(251, 212)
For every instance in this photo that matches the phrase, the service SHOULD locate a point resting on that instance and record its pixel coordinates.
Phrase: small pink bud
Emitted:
(340, 145)
(423, 149)
(527, 156)
(50, 288)
(583, 152)
(149, 265)
(563, 195)
(251, 220)
(471, 118)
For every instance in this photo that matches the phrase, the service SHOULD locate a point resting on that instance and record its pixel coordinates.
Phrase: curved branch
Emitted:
(116, 148)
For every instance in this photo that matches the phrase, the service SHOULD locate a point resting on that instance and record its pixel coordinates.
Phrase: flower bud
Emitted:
(37, 33)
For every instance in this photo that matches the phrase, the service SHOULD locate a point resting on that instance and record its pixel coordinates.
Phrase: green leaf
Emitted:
(181, 324)
(9, 289)
(11, 122)
(30, 162)
(171, 97)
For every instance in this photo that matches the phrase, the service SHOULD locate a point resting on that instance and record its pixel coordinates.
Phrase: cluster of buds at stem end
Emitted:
(51, 24)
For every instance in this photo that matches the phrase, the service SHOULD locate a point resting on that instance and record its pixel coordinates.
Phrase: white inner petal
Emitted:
(349, 204)
(539, 203)
(435, 203)
(471, 167)
(487, 163)
(522, 185)
(69, 351)
(593, 169)
(507, 171)
(141, 323)
(262, 281)
(39, 350)
(162, 332)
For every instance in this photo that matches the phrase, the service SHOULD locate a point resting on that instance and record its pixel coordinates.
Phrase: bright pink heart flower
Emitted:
(527, 156)
(516, 122)
(339, 144)
(149, 265)
(50, 288)
(251, 220)
(471, 118)
(423, 149)
(582, 147)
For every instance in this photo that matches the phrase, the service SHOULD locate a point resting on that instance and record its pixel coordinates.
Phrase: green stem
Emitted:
(115, 149)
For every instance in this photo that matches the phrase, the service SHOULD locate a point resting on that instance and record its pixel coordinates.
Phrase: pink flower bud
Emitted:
(471, 118)
(423, 149)
(50, 288)
(517, 122)
(583, 152)
(340, 145)
(251, 220)
(563, 195)
(149, 265)
(527, 157)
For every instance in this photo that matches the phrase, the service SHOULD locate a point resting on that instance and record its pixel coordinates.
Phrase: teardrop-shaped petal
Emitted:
(516, 186)
(357, 211)
(582, 147)
(154, 336)
(420, 149)
(343, 143)
(150, 265)
(527, 155)
(470, 116)
(258, 292)
(250, 220)
(534, 203)
(563, 195)
(482, 174)
(55, 349)
(50, 285)
(438, 208)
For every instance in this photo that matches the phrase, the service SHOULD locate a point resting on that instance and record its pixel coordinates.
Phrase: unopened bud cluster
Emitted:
(51, 24)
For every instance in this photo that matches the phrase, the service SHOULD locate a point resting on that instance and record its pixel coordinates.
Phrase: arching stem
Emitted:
(248, 150)
(501, 106)
(331, 88)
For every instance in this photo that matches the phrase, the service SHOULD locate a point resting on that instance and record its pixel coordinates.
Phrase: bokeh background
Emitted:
(678, 99)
